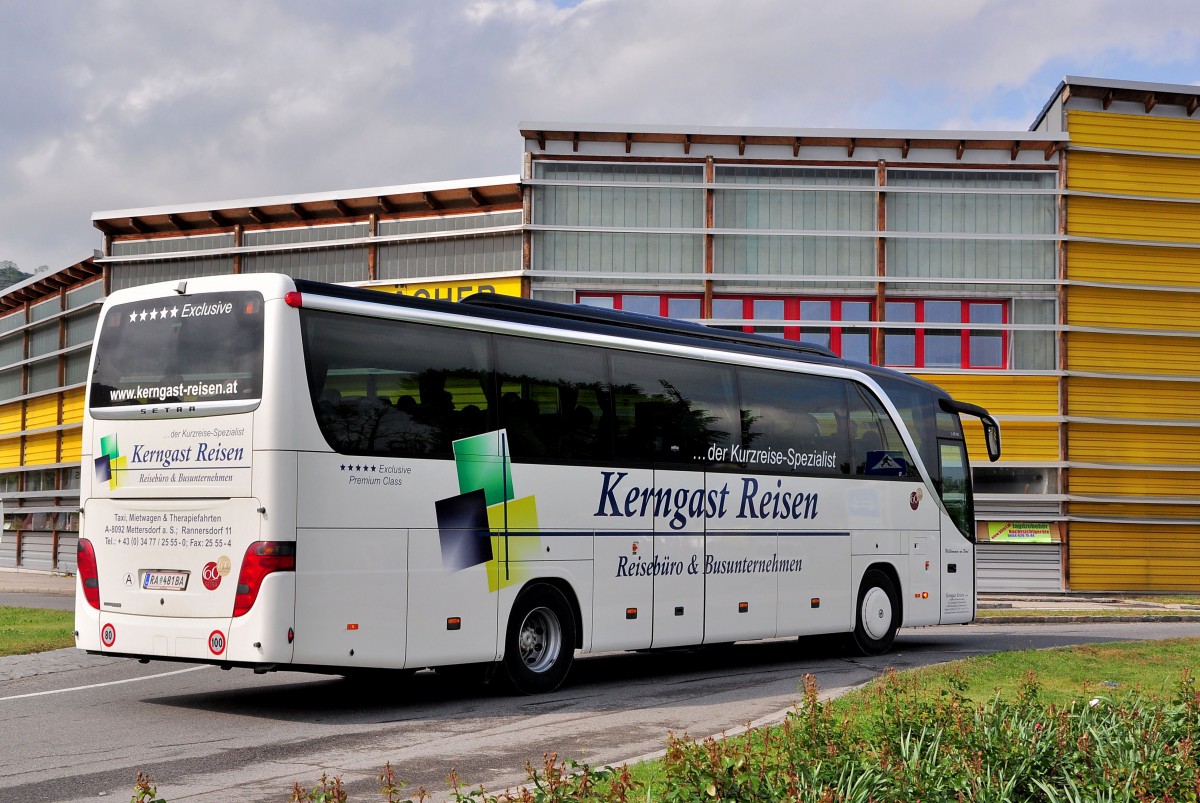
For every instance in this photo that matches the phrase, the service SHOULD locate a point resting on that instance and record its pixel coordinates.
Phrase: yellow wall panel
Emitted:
(72, 446)
(73, 406)
(1110, 443)
(1133, 264)
(1133, 309)
(1133, 354)
(1133, 132)
(1125, 219)
(1115, 482)
(1134, 175)
(1132, 510)
(1131, 398)
(1134, 557)
(1020, 442)
(10, 418)
(1002, 393)
(10, 453)
(41, 412)
(41, 449)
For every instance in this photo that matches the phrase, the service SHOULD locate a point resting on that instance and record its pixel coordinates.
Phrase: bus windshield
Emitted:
(205, 347)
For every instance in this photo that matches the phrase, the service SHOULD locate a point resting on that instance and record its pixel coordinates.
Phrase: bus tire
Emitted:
(878, 614)
(540, 643)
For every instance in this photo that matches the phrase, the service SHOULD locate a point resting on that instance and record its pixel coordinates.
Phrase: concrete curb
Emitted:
(1082, 618)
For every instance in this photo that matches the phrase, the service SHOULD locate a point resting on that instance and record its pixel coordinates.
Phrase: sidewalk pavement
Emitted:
(993, 607)
(24, 581)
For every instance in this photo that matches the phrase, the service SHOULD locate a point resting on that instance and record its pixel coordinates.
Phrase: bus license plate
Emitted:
(165, 581)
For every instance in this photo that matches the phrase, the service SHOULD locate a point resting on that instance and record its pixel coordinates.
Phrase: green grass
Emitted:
(26, 630)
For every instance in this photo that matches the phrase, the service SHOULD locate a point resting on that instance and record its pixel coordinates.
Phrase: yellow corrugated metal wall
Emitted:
(1134, 434)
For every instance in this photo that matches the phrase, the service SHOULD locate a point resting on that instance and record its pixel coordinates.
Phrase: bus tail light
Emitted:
(262, 558)
(89, 577)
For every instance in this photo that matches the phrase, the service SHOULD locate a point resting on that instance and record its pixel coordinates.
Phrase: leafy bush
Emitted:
(897, 742)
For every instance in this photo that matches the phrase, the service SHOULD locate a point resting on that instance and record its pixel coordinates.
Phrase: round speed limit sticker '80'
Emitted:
(216, 642)
(108, 635)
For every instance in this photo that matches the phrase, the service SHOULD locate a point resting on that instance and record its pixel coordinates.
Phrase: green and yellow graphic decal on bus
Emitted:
(476, 525)
(110, 463)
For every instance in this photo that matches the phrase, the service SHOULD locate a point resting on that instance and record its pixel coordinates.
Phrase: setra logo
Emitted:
(211, 576)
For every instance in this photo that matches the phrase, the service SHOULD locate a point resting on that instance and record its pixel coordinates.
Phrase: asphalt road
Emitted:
(79, 727)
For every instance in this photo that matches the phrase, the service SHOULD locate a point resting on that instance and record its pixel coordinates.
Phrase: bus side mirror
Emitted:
(991, 434)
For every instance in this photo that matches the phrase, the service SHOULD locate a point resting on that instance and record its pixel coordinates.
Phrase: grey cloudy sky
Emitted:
(114, 104)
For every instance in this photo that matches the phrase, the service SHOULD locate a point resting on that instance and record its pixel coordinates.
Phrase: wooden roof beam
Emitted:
(256, 215)
(1150, 101)
(1191, 105)
(796, 148)
(904, 148)
(1050, 149)
(386, 205)
(476, 198)
(850, 147)
(175, 221)
(1016, 149)
(300, 212)
(541, 140)
(137, 225)
(962, 148)
(575, 142)
(430, 201)
(629, 142)
(742, 146)
(217, 219)
(687, 144)
(1108, 99)
(341, 208)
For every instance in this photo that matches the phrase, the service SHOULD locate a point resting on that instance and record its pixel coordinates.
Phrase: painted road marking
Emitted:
(99, 685)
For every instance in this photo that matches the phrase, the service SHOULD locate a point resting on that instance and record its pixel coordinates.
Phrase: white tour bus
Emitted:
(284, 474)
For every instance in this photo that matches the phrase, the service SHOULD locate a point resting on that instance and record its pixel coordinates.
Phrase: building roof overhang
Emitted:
(1109, 91)
(686, 137)
(313, 208)
(48, 283)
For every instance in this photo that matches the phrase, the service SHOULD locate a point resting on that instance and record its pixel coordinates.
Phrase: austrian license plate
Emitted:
(158, 580)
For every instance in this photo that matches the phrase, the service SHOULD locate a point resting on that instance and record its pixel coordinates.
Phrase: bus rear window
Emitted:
(200, 348)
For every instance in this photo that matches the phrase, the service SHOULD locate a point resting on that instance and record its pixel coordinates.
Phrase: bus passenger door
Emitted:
(679, 560)
(623, 600)
(957, 552)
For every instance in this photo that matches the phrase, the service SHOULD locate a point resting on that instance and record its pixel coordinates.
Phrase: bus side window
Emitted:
(798, 414)
(553, 399)
(395, 389)
(876, 445)
(673, 411)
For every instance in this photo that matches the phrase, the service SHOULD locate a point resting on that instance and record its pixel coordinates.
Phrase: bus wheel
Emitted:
(540, 643)
(878, 614)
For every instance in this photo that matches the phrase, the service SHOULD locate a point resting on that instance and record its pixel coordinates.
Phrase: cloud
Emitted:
(117, 103)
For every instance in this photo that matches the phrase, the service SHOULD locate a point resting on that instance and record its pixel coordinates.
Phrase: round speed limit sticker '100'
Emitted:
(108, 635)
(216, 642)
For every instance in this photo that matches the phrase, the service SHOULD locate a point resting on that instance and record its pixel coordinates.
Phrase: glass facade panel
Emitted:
(856, 343)
(43, 339)
(768, 310)
(816, 311)
(617, 252)
(900, 345)
(12, 349)
(688, 308)
(644, 305)
(943, 347)
(81, 327)
(43, 375)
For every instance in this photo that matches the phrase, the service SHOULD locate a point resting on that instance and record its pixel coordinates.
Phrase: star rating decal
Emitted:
(358, 467)
(154, 314)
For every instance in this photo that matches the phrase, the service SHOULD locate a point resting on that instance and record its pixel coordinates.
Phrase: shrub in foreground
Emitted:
(898, 742)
